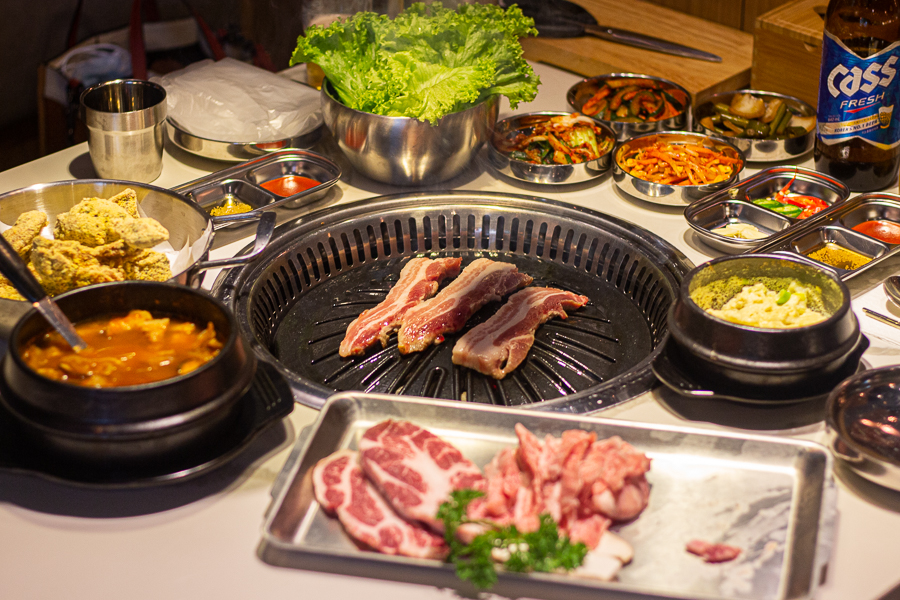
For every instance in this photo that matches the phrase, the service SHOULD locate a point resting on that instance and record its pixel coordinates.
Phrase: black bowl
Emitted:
(784, 361)
(133, 424)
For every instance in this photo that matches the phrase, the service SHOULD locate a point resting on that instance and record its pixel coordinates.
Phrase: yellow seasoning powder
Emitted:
(836, 256)
(231, 206)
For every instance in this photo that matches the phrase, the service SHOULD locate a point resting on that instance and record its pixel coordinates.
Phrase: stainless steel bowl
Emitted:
(406, 151)
(546, 174)
(236, 151)
(672, 195)
(582, 91)
(761, 150)
(862, 416)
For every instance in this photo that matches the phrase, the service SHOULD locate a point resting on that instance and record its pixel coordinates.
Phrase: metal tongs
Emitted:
(564, 19)
(14, 268)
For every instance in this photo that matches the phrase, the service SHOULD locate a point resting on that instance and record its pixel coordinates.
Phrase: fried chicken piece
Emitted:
(135, 263)
(127, 200)
(91, 222)
(148, 265)
(142, 233)
(8, 291)
(27, 227)
(62, 265)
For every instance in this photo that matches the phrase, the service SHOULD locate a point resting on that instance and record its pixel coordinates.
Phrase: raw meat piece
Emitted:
(419, 280)
(500, 344)
(582, 482)
(414, 469)
(483, 281)
(342, 490)
(713, 553)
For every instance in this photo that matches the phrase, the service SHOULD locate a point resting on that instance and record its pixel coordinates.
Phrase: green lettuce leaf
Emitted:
(427, 62)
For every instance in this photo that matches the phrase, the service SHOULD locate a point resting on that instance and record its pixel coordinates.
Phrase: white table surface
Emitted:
(198, 538)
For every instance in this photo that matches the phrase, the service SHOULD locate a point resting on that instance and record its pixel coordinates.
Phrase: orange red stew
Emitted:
(133, 349)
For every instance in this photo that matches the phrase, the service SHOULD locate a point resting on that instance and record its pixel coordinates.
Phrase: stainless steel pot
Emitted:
(781, 361)
(188, 224)
(406, 151)
(128, 426)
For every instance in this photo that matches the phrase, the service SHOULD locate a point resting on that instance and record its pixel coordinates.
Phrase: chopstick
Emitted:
(882, 318)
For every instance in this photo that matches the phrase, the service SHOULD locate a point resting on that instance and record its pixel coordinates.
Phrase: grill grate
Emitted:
(296, 301)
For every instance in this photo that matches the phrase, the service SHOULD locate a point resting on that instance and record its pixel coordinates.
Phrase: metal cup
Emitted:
(126, 128)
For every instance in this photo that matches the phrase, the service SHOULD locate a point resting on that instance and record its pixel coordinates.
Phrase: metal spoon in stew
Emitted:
(14, 268)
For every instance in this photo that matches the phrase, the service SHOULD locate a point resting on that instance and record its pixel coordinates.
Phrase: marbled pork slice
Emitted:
(414, 469)
(342, 489)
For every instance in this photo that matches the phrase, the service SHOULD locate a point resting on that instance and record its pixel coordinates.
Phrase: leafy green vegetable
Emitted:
(427, 62)
(543, 550)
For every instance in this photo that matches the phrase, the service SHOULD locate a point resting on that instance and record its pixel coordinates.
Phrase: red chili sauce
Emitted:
(289, 185)
(886, 231)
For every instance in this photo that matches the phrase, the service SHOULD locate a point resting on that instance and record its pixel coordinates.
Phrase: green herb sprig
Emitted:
(544, 550)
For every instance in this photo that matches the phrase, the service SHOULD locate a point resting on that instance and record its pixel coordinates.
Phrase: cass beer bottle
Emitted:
(858, 130)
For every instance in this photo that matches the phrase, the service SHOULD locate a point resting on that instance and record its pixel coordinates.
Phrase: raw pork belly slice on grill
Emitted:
(419, 280)
(414, 469)
(500, 344)
(342, 489)
(483, 281)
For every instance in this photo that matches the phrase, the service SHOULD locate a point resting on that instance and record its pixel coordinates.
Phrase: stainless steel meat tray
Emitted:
(734, 205)
(772, 497)
(835, 226)
(244, 182)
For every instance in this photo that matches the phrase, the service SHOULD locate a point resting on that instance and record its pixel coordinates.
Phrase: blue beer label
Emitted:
(857, 95)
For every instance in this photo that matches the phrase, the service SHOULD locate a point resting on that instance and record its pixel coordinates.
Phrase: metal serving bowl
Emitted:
(672, 195)
(784, 362)
(406, 151)
(582, 91)
(547, 174)
(862, 414)
(131, 425)
(761, 150)
(188, 224)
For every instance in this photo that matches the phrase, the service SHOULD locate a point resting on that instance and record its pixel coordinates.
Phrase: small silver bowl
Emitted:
(406, 151)
(666, 194)
(582, 91)
(862, 414)
(545, 174)
(761, 150)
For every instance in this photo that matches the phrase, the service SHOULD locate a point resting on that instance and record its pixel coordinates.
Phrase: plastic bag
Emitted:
(231, 101)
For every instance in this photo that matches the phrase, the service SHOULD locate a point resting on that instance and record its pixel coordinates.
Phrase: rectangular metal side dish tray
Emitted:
(772, 497)
(835, 226)
(244, 182)
(734, 205)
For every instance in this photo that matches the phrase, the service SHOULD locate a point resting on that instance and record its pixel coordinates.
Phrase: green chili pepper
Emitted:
(783, 296)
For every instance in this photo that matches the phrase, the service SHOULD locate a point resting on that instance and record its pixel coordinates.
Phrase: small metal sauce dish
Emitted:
(582, 91)
(553, 174)
(672, 195)
(761, 150)
(735, 205)
(863, 418)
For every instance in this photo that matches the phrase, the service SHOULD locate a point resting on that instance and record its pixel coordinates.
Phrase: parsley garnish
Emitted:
(543, 550)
